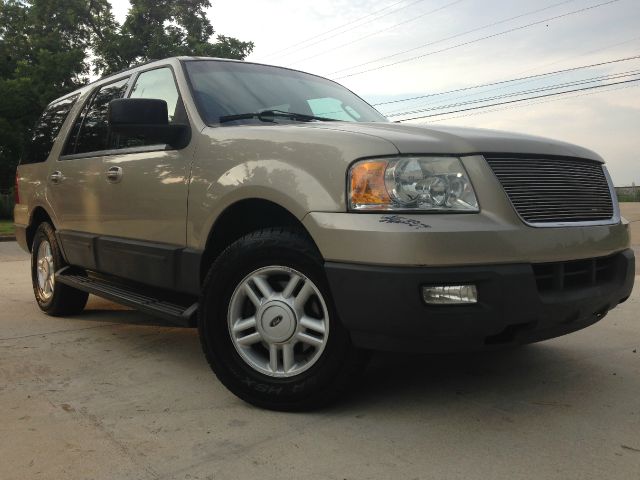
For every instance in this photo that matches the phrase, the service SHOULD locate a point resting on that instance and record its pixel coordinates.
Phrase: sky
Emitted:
(341, 39)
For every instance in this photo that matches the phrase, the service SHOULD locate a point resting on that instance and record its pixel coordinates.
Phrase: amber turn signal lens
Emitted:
(367, 184)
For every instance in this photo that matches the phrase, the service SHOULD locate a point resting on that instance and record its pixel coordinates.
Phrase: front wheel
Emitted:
(268, 326)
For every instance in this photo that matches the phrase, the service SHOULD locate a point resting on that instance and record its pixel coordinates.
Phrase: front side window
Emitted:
(158, 84)
(224, 89)
(91, 129)
(46, 130)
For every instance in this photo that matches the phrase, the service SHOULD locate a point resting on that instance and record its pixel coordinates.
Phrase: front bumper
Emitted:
(382, 306)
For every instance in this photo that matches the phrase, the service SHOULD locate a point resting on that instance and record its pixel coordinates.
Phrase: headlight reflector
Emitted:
(411, 183)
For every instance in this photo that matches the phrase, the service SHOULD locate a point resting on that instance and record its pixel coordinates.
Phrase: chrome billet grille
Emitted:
(548, 191)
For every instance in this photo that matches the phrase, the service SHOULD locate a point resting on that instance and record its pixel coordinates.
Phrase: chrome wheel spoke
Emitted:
(303, 296)
(250, 339)
(245, 324)
(309, 340)
(291, 285)
(263, 286)
(49, 284)
(287, 357)
(313, 324)
(273, 357)
(251, 295)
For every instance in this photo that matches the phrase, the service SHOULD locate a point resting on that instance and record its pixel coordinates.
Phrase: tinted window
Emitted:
(158, 84)
(46, 130)
(230, 88)
(92, 125)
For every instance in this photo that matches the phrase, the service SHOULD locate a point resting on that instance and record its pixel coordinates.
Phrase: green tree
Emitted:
(50, 47)
(43, 47)
(155, 29)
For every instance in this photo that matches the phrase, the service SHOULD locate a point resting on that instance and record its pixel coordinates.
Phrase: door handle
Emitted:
(114, 174)
(56, 177)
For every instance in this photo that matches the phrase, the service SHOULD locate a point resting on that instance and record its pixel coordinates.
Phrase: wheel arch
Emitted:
(38, 216)
(243, 217)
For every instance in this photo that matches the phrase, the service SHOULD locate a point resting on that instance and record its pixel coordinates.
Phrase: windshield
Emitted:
(223, 88)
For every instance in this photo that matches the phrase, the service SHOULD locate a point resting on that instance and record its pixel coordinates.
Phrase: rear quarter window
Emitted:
(46, 131)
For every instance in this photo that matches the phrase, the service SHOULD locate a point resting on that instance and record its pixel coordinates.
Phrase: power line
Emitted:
(484, 91)
(520, 100)
(473, 114)
(504, 32)
(516, 83)
(343, 45)
(300, 45)
(501, 82)
(547, 88)
(434, 42)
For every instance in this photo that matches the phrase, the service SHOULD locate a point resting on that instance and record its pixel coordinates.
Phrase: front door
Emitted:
(143, 198)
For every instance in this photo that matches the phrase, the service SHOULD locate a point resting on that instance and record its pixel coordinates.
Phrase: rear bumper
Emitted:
(383, 309)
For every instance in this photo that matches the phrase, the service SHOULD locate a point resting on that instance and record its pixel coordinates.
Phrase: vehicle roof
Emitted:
(130, 70)
(174, 61)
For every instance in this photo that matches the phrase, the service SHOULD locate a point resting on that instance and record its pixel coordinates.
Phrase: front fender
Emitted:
(279, 182)
(297, 166)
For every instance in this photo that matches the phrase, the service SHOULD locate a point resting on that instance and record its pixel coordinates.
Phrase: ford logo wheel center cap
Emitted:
(277, 322)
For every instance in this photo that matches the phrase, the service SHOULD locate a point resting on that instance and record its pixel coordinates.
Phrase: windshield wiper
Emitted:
(271, 115)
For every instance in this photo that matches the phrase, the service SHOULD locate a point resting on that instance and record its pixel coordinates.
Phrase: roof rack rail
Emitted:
(125, 70)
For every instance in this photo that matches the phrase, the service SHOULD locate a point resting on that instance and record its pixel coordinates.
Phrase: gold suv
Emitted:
(298, 228)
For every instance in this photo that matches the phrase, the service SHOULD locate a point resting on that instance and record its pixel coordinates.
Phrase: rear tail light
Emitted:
(16, 193)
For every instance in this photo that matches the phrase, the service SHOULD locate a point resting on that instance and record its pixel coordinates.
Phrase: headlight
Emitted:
(411, 183)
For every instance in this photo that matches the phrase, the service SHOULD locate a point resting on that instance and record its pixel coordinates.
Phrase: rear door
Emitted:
(76, 176)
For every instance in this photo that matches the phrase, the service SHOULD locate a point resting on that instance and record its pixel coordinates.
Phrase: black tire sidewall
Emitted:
(244, 257)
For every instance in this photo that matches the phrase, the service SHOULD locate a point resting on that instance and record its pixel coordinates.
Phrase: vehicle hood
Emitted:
(411, 139)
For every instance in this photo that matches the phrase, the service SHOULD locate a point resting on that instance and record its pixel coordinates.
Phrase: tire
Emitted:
(315, 361)
(46, 258)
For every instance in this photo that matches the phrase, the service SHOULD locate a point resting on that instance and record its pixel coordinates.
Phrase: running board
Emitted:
(147, 302)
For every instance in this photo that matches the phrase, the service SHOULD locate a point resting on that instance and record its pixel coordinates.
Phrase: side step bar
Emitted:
(147, 302)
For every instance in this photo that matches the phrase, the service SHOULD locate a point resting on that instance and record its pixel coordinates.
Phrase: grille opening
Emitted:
(548, 190)
(575, 274)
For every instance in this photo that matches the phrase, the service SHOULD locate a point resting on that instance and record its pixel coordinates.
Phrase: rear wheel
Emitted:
(46, 258)
(268, 326)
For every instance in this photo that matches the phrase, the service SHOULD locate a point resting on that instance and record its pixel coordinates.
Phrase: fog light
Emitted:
(450, 294)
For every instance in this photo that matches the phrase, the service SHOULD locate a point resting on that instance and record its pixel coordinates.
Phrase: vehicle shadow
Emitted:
(101, 310)
(510, 379)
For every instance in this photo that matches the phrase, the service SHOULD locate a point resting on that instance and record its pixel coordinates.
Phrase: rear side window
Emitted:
(91, 131)
(46, 131)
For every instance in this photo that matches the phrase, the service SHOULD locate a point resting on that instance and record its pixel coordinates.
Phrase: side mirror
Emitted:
(146, 117)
